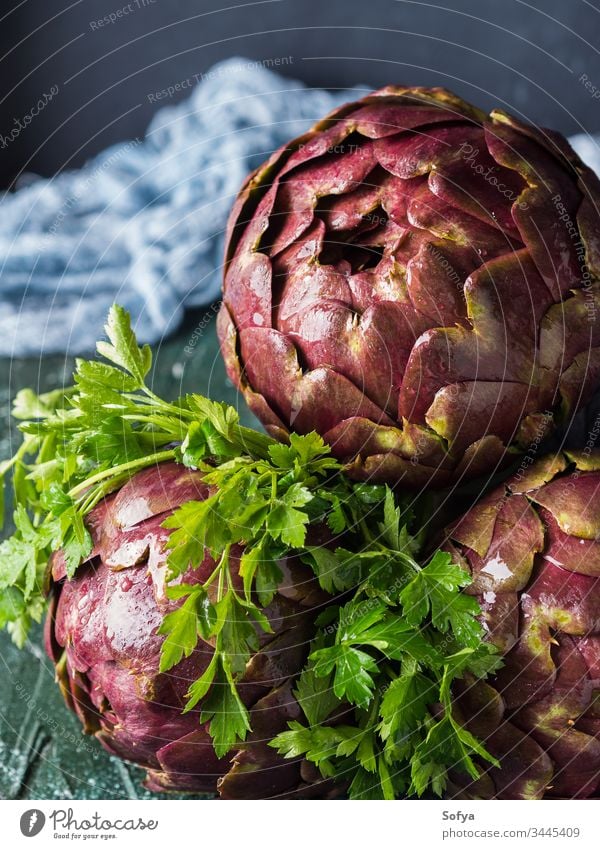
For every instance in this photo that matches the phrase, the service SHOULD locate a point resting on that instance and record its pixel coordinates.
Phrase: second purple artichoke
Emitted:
(102, 635)
(532, 547)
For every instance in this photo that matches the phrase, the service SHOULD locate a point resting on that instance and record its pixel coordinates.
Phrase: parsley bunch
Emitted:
(376, 691)
(389, 656)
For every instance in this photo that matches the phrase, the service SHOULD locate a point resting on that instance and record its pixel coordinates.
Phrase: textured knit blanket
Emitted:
(142, 223)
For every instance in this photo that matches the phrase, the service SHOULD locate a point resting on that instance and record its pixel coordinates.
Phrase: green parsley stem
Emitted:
(158, 457)
(24, 448)
(365, 530)
(98, 493)
(222, 567)
(254, 443)
(155, 438)
(273, 487)
(164, 405)
(157, 420)
(212, 576)
(218, 569)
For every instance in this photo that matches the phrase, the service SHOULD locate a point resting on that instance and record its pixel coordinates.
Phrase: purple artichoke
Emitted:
(417, 281)
(101, 633)
(533, 549)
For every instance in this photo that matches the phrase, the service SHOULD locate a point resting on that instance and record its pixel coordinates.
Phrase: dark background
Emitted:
(525, 56)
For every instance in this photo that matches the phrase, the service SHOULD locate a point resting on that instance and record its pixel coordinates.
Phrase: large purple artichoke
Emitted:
(101, 633)
(418, 282)
(533, 548)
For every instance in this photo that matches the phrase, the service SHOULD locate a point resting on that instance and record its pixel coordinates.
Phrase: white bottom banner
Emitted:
(351, 825)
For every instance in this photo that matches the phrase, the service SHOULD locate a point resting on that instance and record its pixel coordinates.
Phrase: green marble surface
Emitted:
(43, 753)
